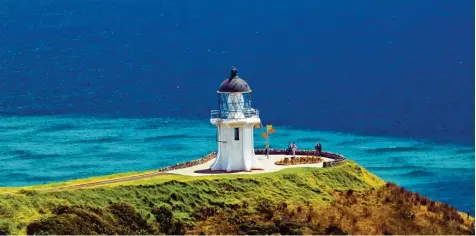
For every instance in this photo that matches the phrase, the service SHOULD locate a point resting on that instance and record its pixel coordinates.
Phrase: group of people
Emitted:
(292, 149)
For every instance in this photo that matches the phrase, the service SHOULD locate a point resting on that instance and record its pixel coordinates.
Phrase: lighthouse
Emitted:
(235, 121)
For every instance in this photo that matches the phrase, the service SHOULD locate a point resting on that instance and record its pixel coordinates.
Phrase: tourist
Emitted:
(318, 149)
(290, 148)
(267, 150)
(293, 148)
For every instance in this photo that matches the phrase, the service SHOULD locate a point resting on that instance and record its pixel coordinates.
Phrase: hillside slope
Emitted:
(341, 199)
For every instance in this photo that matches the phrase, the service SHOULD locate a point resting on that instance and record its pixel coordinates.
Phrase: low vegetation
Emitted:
(386, 210)
(299, 160)
(346, 199)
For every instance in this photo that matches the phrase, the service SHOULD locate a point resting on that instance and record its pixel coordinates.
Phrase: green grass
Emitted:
(184, 194)
(73, 182)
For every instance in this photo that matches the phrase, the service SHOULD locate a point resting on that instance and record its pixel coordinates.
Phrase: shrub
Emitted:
(401, 189)
(334, 230)
(5, 211)
(267, 207)
(417, 197)
(5, 228)
(129, 220)
(366, 212)
(385, 229)
(287, 227)
(282, 206)
(61, 209)
(299, 209)
(298, 160)
(76, 220)
(309, 217)
(399, 202)
(415, 202)
(432, 205)
(178, 228)
(253, 228)
(27, 192)
(206, 212)
(164, 216)
(423, 201)
(176, 197)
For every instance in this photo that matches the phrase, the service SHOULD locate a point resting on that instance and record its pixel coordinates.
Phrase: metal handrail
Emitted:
(224, 114)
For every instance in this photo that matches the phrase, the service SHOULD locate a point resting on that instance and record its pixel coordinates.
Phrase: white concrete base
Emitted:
(268, 165)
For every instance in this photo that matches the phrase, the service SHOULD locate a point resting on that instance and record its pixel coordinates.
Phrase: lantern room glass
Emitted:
(234, 106)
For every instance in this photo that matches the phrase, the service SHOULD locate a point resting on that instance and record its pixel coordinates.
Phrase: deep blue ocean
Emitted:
(97, 87)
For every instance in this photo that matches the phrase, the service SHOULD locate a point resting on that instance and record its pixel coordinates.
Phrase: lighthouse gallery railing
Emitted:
(226, 114)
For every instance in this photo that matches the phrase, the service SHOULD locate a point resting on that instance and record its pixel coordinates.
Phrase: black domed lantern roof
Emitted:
(234, 84)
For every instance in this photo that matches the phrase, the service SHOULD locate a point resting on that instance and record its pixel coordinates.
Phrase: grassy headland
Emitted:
(342, 199)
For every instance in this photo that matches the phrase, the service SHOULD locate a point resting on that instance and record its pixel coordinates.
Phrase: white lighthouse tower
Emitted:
(235, 121)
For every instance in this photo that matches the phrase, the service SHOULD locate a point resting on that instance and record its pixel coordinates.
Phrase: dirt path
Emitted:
(101, 182)
(106, 182)
(165, 171)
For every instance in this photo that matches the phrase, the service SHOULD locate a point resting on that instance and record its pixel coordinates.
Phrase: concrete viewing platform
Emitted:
(268, 165)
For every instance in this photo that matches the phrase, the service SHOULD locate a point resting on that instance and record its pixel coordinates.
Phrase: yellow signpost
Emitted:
(265, 135)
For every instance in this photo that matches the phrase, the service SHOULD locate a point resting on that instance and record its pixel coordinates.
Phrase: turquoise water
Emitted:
(37, 150)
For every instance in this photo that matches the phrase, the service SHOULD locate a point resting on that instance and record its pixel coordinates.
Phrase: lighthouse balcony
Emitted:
(235, 114)
(230, 118)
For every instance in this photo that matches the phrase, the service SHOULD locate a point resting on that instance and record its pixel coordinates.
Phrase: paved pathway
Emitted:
(268, 164)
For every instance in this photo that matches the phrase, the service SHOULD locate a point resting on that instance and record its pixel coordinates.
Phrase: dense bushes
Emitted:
(407, 198)
(73, 220)
(387, 210)
(117, 218)
(345, 199)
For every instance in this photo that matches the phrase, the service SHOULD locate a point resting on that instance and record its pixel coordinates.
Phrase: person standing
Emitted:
(318, 149)
(293, 148)
(267, 149)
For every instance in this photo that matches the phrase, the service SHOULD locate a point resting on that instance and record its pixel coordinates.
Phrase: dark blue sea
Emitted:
(98, 87)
